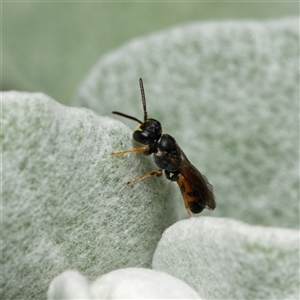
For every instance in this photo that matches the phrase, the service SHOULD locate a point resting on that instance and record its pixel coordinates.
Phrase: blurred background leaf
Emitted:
(228, 93)
(50, 46)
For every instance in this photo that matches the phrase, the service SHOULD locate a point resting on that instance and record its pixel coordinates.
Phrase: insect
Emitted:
(196, 191)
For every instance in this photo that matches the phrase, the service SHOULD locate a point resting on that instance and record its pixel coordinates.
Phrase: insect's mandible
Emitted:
(196, 191)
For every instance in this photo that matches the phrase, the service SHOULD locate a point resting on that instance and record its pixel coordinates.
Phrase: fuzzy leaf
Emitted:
(228, 92)
(227, 259)
(129, 283)
(65, 204)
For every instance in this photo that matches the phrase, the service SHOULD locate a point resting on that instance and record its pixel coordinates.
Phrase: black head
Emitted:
(147, 132)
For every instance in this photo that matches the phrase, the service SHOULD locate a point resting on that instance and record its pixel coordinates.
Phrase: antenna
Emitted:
(127, 116)
(143, 99)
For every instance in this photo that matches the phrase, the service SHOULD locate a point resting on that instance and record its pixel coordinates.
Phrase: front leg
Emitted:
(146, 150)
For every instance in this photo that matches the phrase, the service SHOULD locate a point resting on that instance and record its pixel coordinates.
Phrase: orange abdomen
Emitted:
(190, 195)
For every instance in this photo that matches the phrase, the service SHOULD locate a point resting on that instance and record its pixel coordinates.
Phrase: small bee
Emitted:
(196, 191)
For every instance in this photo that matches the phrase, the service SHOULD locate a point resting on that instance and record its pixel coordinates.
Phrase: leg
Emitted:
(186, 203)
(173, 177)
(187, 207)
(155, 172)
(138, 149)
(181, 183)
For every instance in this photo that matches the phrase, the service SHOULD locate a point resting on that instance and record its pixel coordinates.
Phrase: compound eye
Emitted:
(141, 137)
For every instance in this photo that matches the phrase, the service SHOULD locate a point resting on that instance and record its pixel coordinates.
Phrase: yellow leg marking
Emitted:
(156, 172)
(138, 149)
